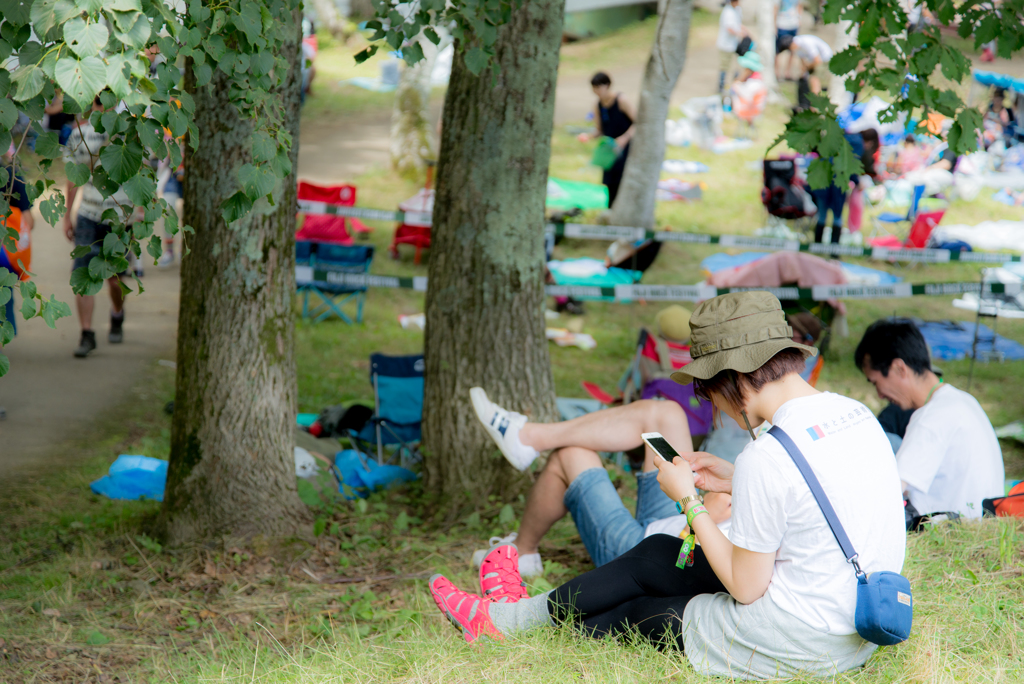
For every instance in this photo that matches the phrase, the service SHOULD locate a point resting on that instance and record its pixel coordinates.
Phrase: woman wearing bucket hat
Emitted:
(776, 597)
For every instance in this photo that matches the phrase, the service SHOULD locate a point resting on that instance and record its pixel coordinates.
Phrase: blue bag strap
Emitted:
(819, 494)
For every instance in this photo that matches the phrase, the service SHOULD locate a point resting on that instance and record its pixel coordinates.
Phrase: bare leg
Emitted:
(85, 305)
(116, 296)
(614, 429)
(815, 84)
(545, 506)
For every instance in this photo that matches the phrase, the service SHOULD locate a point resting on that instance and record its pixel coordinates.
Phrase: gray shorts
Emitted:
(606, 526)
(762, 641)
(89, 233)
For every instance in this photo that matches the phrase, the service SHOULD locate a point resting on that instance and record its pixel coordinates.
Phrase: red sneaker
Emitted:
(467, 612)
(499, 576)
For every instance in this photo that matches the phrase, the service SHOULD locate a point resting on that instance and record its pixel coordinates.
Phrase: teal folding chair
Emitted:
(888, 218)
(319, 275)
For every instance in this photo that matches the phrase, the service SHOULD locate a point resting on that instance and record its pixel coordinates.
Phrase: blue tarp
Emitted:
(722, 261)
(952, 340)
(133, 477)
(991, 78)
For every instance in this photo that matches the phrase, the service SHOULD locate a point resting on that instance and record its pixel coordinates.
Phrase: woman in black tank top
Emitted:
(614, 118)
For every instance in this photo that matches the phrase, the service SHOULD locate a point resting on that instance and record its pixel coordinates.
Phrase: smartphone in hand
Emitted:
(659, 445)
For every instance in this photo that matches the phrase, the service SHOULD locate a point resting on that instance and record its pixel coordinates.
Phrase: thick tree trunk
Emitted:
(485, 299)
(634, 205)
(411, 139)
(232, 469)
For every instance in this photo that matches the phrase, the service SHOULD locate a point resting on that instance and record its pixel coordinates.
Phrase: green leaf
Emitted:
(28, 308)
(476, 60)
(112, 245)
(249, 21)
(16, 11)
(257, 181)
(203, 72)
(80, 251)
(85, 40)
(140, 189)
(282, 164)
(90, 6)
(48, 146)
(5, 81)
(5, 50)
(215, 47)
(5, 296)
(177, 121)
(53, 208)
(132, 28)
(431, 35)
(507, 516)
(365, 54)
(402, 522)
(53, 310)
(83, 284)
(263, 147)
(81, 80)
(121, 160)
(97, 638)
(412, 53)
(155, 247)
(28, 290)
(118, 70)
(47, 14)
(29, 81)
(124, 5)
(235, 207)
(152, 136)
(219, 19)
(8, 114)
(819, 174)
(5, 365)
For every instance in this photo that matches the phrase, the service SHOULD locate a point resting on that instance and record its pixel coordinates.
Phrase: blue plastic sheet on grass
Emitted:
(952, 340)
(133, 477)
(360, 475)
(855, 272)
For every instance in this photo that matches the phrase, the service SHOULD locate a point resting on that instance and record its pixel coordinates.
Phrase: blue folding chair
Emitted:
(319, 272)
(888, 218)
(398, 409)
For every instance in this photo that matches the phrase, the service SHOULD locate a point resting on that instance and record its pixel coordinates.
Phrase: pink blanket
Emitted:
(781, 268)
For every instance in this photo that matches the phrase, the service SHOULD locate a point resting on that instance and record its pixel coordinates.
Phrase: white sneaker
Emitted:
(530, 565)
(503, 427)
(166, 260)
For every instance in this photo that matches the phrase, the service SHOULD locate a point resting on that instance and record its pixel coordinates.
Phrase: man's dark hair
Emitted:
(783, 43)
(600, 79)
(893, 338)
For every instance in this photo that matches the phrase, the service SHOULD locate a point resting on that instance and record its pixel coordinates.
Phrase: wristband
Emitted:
(693, 513)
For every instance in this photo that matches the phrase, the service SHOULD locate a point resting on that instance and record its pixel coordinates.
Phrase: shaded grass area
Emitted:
(87, 596)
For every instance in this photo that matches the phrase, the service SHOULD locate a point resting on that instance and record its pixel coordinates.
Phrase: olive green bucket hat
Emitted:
(739, 331)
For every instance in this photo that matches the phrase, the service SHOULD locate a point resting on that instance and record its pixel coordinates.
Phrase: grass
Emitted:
(86, 594)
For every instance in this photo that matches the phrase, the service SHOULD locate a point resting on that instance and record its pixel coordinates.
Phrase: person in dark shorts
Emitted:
(83, 147)
(614, 119)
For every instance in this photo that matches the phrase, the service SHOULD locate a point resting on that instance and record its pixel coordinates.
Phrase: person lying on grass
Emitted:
(777, 597)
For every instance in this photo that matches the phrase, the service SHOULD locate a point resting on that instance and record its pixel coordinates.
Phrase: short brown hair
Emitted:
(727, 385)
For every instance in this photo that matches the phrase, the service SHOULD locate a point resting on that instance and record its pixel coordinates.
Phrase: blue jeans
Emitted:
(606, 526)
(829, 199)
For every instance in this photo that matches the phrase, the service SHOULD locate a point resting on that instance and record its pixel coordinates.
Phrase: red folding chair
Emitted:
(325, 227)
(415, 228)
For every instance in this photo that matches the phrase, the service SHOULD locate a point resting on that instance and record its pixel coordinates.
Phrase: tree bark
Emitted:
(411, 139)
(634, 205)
(485, 299)
(232, 469)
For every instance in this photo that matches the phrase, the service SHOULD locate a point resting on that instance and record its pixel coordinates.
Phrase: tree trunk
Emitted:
(634, 205)
(485, 299)
(232, 468)
(411, 139)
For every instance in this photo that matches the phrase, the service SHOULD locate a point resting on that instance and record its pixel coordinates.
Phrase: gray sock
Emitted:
(524, 615)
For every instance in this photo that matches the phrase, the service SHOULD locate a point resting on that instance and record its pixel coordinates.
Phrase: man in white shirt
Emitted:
(950, 457)
(813, 52)
(730, 32)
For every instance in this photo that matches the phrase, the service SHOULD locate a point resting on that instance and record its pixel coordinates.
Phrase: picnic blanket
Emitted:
(953, 340)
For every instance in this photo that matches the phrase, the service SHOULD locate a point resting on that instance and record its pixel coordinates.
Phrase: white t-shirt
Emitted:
(950, 456)
(774, 511)
(809, 47)
(675, 524)
(730, 18)
(83, 147)
(788, 17)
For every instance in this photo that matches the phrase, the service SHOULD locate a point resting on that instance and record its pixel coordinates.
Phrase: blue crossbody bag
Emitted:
(885, 609)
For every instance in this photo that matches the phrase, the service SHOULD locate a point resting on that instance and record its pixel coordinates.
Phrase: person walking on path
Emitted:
(615, 117)
(84, 145)
(730, 32)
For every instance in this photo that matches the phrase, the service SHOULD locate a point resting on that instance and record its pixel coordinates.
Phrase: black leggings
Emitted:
(641, 590)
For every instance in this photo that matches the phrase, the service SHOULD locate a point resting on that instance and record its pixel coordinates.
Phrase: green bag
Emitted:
(606, 153)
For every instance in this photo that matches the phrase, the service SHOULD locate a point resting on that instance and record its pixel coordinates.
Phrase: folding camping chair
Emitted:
(888, 218)
(415, 227)
(320, 268)
(319, 224)
(398, 409)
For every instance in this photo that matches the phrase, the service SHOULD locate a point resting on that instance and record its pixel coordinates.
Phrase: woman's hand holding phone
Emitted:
(675, 478)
